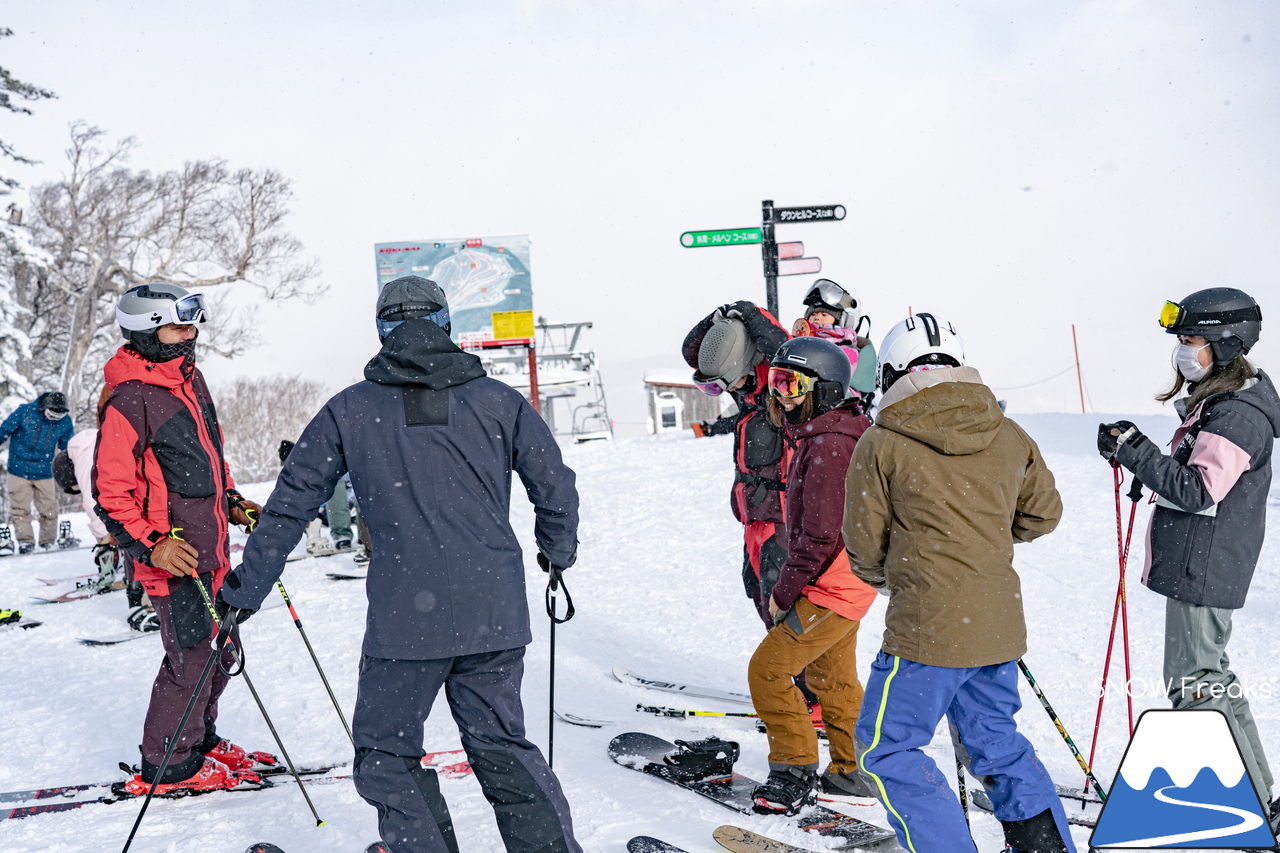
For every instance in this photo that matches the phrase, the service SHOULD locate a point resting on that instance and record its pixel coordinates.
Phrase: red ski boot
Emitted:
(212, 776)
(236, 758)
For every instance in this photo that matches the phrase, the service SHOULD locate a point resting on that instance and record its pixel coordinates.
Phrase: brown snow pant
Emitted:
(826, 650)
(24, 492)
(170, 693)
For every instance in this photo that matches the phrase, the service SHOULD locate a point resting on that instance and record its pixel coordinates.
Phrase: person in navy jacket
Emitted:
(35, 431)
(431, 443)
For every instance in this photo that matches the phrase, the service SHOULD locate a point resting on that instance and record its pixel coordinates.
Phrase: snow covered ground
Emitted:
(657, 590)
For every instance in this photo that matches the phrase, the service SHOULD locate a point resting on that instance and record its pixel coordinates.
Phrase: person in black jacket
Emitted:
(430, 443)
(1211, 509)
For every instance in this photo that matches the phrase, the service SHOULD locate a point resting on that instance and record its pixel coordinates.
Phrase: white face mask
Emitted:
(1187, 358)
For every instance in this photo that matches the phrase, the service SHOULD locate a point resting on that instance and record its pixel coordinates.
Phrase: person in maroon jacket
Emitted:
(730, 350)
(165, 493)
(817, 603)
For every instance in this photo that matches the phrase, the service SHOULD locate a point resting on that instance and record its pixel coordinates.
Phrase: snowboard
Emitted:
(626, 676)
(645, 753)
(648, 844)
(338, 576)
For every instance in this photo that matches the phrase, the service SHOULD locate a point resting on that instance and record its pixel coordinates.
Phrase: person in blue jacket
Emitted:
(36, 432)
(431, 443)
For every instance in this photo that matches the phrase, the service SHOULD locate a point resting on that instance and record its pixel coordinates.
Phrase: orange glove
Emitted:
(698, 429)
(174, 556)
(245, 513)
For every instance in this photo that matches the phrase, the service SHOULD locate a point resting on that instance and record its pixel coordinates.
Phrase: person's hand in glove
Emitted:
(1111, 436)
(245, 513)
(174, 556)
(546, 564)
(223, 609)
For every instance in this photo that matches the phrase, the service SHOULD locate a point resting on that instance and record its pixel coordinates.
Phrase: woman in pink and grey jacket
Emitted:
(1207, 528)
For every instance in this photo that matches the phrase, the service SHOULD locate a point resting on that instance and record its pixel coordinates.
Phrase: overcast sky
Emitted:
(1015, 167)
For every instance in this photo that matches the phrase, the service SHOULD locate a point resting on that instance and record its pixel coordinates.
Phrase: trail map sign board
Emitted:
(486, 279)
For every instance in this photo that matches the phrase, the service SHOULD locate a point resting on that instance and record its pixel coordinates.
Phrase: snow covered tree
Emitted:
(104, 228)
(10, 87)
(257, 413)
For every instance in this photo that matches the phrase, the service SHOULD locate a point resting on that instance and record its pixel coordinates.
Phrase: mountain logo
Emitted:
(1182, 783)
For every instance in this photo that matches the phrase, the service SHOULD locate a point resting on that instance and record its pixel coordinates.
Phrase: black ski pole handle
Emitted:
(1135, 489)
(554, 584)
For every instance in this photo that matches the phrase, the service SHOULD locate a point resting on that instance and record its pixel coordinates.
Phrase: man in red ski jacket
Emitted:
(730, 349)
(164, 491)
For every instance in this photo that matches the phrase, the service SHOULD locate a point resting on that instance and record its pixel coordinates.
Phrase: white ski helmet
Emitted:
(920, 341)
(825, 295)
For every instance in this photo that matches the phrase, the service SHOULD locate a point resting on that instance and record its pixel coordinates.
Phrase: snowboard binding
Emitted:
(700, 760)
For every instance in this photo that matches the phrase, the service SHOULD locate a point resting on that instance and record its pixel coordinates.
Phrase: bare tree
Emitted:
(105, 228)
(257, 413)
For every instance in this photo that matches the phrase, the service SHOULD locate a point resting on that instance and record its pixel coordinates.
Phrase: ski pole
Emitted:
(208, 602)
(964, 794)
(554, 583)
(1135, 495)
(218, 643)
(681, 713)
(315, 660)
(1062, 730)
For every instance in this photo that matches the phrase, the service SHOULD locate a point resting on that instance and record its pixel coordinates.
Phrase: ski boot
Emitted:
(9, 617)
(212, 776)
(786, 791)
(848, 788)
(26, 547)
(1037, 834)
(143, 619)
(65, 539)
(236, 758)
(361, 558)
(343, 544)
(700, 760)
(6, 541)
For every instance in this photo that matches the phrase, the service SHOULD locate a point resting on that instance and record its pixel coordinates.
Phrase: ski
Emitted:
(647, 754)
(740, 840)
(56, 581)
(980, 800)
(683, 713)
(337, 576)
(445, 764)
(118, 639)
(308, 555)
(22, 623)
(648, 844)
(114, 793)
(626, 676)
(575, 720)
(79, 594)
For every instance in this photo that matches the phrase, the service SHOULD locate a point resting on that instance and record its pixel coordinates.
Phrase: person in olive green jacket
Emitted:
(937, 493)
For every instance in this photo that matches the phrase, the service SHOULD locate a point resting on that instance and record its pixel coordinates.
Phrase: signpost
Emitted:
(779, 258)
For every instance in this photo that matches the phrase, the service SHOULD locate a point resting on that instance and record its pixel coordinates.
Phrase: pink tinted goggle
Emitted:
(714, 387)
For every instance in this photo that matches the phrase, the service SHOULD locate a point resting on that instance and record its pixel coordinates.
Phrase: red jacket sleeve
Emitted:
(117, 485)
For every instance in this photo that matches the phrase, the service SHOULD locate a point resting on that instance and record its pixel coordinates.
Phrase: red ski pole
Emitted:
(1117, 478)
(1135, 495)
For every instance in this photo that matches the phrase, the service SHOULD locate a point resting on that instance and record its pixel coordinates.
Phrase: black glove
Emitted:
(286, 447)
(220, 606)
(1111, 436)
(546, 564)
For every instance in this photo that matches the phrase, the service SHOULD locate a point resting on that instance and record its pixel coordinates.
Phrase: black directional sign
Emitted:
(820, 213)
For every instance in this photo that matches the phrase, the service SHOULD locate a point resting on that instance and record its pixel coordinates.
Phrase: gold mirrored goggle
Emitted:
(1170, 314)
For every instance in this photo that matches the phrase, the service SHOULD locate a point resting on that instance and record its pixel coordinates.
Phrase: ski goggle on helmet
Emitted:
(149, 307)
(788, 382)
(1173, 315)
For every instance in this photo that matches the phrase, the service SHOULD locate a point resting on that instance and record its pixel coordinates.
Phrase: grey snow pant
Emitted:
(1199, 676)
(483, 690)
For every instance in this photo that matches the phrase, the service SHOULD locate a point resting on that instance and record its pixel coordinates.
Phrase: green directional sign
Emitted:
(728, 237)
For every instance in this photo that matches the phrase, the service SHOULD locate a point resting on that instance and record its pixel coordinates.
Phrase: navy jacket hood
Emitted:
(418, 352)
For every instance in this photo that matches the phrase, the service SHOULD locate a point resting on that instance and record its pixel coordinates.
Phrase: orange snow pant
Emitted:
(825, 650)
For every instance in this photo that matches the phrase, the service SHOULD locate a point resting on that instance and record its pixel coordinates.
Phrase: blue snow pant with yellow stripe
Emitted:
(901, 709)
